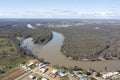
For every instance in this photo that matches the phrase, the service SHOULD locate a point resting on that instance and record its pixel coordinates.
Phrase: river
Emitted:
(51, 53)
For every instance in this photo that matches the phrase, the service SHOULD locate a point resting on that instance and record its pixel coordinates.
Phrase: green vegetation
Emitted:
(11, 55)
(39, 78)
(86, 42)
(76, 78)
(9, 58)
(98, 74)
(40, 35)
(32, 66)
(7, 47)
(64, 78)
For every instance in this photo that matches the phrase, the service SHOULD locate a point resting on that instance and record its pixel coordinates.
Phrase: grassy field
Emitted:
(7, 47)
(9, 57)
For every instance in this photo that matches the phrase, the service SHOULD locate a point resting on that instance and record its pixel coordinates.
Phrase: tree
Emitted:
(39, 78)
(98, 74)
(105, 68)
(76, 68)
(41, 59)
(1, 71)
(70, 69)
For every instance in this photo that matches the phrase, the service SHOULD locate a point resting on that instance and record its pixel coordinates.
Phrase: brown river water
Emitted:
(51, 53)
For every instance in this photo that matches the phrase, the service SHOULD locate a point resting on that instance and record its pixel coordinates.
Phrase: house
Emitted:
(40, 64)
(23, 66)
(62, 74)
(110, 74)
(83, 78)
(43, 70)
(44, 79)
(53, 73)
(32, 76)
(31, 62)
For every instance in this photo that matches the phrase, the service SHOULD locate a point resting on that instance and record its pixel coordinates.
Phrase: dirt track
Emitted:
(12, 74)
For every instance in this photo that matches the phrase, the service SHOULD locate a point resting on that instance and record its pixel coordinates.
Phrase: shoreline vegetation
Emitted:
(89, 43)
(104, 45)
(11, 55)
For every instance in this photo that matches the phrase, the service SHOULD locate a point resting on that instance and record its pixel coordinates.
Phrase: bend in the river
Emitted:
(51, 52)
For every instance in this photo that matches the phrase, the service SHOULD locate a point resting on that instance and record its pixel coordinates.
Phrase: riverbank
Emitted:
(42, 69)
(84, 42)
(51, 52)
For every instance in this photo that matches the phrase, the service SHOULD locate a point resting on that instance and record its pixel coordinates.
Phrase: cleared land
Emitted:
(12, 74)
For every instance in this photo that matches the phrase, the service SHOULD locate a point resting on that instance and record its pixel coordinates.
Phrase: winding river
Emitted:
(51, 53)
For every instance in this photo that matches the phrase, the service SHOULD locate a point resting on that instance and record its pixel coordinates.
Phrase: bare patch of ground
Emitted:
(12, 74)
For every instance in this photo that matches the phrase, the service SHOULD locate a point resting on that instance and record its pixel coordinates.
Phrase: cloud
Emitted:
(6, 14)
(109, 13)
(61, 13)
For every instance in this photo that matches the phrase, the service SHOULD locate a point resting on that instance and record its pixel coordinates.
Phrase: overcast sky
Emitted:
(101, 9)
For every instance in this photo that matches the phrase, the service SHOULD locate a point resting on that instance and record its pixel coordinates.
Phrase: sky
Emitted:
(95, 9)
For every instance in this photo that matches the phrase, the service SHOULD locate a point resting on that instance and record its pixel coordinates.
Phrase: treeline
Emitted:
(11, 55)
(85, 42)
(12, 30)
(39, 35)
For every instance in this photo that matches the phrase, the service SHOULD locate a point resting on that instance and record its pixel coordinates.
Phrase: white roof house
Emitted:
(54, 71)
(40, 64)
(109, 74)
(30, 64)
(31, 76)
(44, 79)
(115, 73)
(43, 69)
(23, 66)
(62, 74)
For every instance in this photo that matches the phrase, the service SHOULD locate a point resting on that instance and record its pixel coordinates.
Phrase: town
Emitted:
(35, 70)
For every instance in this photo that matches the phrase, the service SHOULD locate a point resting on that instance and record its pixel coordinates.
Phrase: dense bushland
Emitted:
(87, 42)
(11, 55)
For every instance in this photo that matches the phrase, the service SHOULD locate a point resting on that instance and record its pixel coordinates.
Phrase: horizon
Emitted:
(60, 9)
(65, 18)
